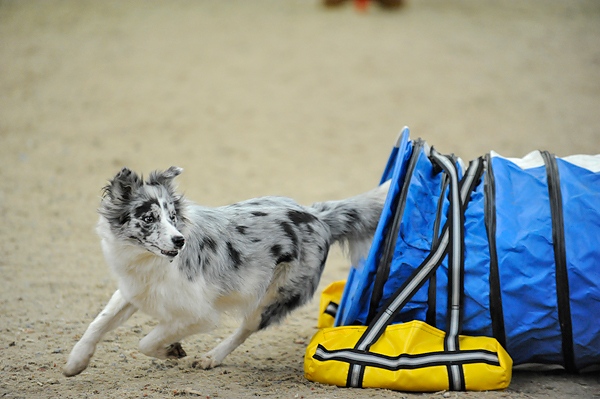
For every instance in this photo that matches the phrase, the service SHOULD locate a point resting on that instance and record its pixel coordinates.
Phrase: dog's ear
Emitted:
(122, 185)
(164, 178)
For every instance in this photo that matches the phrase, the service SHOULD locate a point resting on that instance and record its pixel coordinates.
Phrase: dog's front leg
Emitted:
(113, 315)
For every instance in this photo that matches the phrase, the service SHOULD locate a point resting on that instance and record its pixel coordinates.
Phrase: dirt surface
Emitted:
(252, 98)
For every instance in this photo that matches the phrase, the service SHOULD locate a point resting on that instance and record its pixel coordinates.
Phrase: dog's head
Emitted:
(147, 213)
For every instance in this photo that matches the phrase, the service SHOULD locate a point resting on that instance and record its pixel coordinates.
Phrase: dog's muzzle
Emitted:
(178, 242)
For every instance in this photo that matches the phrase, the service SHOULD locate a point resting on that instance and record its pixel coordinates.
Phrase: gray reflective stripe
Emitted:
(404, 361)
(455, 371)
(455, 375)
(382, 322)
(456, 246)
(331, 309)
(356, 368)
(468, 179)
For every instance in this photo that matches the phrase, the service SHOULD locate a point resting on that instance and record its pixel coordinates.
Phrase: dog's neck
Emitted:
(127, 258)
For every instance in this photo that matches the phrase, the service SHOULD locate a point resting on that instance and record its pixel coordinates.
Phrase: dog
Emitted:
(185, 264)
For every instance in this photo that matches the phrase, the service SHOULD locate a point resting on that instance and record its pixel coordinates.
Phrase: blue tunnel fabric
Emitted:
(524, 240)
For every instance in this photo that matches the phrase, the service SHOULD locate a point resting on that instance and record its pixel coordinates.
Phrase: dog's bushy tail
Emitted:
(353, 220)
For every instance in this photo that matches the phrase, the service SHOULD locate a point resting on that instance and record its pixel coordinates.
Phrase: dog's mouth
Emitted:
(170, 254)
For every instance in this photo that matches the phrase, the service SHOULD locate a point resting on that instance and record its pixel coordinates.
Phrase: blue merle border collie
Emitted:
(186, 264)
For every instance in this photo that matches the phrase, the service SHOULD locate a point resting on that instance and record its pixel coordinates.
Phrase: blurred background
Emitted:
(252, 98)
(276, 90)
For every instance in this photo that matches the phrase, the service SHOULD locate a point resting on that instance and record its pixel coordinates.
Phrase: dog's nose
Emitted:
(178, 241)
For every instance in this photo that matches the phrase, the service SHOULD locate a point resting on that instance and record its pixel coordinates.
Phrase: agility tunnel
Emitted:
(503, 250)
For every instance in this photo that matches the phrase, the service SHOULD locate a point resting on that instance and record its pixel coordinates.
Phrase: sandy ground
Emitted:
(252, 98)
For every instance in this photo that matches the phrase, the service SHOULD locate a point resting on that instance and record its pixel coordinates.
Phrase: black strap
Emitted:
(456, 260)
(560, 260)
(389, 246)
(496, 311)
(430, 316)
(421, 274)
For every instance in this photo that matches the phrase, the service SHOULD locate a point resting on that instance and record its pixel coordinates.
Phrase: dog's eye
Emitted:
(148, 219)
(173, 218)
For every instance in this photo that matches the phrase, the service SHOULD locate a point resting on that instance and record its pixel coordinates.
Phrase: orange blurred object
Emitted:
(361, 5)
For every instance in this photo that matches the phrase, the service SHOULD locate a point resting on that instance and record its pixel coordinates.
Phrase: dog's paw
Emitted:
(205, 362)
(175, 351)
(149, 348)
(78, 360)
(74, 367)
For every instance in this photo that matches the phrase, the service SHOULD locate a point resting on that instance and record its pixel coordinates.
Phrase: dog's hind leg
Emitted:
(113, 315)
(280, 301)
(264, 316)
(163, 341)
(228, 345)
